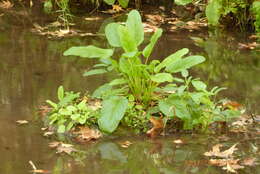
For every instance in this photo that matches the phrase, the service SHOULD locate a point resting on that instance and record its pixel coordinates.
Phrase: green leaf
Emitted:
(61, 129)
(175, 106)
(69, 97)
(112, 35)
(197, 97)
(199, 85)
(101, 91)
(110, 2)
(135, 26)
(60, 93)
(113, 110)
(127, 40)
(89, 52)
(94, 72)
(182, 2)
(123, 3)
(185, 63)
(47, 6)
(54, 105)
(149, 48)
(213, 12)
(162, 77)
(171, 59)
(117, 82)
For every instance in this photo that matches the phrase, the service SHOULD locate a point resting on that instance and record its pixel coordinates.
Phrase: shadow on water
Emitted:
(32, 67)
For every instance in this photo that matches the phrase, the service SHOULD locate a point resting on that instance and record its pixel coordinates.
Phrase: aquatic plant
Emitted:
(149, 85)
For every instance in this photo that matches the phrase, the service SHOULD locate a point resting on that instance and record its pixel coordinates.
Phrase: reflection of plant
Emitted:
(67, 113)
(147, 85)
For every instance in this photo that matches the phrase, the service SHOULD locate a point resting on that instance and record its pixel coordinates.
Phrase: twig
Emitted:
(33, 166)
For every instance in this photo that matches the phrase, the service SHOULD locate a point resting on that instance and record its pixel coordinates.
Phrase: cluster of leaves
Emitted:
(256, 12)
(70, 111)
(237, 9)
(149, 86)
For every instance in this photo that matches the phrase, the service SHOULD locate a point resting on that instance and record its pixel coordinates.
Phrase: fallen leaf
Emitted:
(232, 167)
(20, 122)
(232, 105)
(6, 4)
(249, 162)
(216, 151)
(157, 127)
(86, 134)
(223, 162)
(43, 110)
(117, 8)
(66, 148)
(179, 141)
(47, 134)
(54, 144)
(125, 144)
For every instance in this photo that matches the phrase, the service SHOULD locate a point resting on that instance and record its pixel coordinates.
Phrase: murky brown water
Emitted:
(32, 67)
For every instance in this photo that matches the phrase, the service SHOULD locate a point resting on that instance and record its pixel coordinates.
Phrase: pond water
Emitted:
(32, 67)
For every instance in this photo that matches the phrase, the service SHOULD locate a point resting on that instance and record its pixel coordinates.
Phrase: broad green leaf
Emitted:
(213, 11)
(113, 110)
(162, 77)
(89, 52)
(171, 59)
(95, 72)
(149, 48)
(101, 91)
(124, 65)
(182, 2)
(185, 63)
(199, 85)
(60, 93)
(110, 2)
(123, 3)
(117, 82)
(135, 26)
(127, 40)
(197, 96)
(112, 34)
(175, 106)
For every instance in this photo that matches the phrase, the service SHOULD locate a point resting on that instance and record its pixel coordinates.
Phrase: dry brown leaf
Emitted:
(48, 133)
(54, 144)
(86, 134)
(20, 122)
(225, 154)
(62, 147)
(232, 105)
(117, 8)
(232, 167)
(125, 144)
(66, 148)
(179, 141)
(223, 162)
(157, 127)
(6, 4)
(249, 162)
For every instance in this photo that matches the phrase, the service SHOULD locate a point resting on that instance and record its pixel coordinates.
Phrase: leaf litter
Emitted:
(226, 160)
(62, 147)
